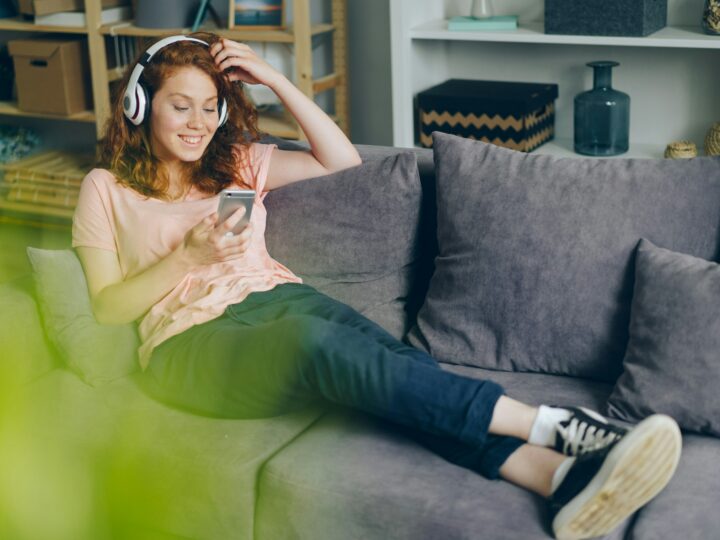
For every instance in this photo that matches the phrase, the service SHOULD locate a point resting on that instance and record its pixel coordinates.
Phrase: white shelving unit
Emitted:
(672, 76)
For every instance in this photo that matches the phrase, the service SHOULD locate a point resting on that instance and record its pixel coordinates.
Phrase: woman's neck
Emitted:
(178, 185)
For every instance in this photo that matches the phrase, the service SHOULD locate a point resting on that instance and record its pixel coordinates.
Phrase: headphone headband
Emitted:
(136, 101)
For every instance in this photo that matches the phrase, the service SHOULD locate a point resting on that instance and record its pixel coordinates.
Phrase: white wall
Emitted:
(370, 76)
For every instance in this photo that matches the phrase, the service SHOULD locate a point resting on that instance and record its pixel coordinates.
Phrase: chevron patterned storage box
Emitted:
(515, 115)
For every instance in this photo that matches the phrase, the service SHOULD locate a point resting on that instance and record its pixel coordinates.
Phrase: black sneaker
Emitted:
(604, 487)
(585, 431)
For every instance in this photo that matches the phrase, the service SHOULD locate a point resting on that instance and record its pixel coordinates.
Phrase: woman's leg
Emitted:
(235, 368)
(510, 417)
(269, 356)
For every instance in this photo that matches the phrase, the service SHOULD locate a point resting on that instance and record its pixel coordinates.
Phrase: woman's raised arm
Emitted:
(330, 149)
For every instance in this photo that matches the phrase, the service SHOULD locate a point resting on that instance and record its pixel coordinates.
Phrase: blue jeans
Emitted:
(287, 348)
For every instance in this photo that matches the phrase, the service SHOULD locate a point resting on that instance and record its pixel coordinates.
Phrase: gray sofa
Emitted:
(105, 461)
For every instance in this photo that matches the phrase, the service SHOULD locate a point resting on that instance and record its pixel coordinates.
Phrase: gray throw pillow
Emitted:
(672, 363)
(353, 234)
(534, 266)
(98, 353)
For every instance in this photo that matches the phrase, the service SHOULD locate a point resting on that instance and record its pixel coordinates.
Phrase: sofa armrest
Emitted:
(25, 353)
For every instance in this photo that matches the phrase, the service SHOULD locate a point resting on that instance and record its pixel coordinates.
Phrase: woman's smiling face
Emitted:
(184, 116)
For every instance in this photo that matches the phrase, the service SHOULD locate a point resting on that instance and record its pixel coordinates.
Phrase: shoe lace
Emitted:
(579, 436)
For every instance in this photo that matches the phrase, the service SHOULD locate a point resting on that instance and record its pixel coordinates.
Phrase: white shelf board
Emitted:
(675, 37)
(564, 148)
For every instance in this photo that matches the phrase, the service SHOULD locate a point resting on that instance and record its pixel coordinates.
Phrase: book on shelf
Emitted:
(500, 22)
(77, 18)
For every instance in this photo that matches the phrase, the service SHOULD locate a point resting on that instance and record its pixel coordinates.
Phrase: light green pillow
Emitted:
(24, 352)
(98, 353)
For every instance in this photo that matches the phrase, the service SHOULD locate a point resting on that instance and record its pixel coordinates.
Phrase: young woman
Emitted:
(227, 331)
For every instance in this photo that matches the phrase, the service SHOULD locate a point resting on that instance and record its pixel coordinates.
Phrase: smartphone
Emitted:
(230, 201)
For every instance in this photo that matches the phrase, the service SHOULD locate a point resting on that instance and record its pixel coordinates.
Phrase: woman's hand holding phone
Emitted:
(208, 242)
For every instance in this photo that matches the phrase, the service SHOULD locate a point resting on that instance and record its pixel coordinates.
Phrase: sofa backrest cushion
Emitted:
(353, 234)
(98, 353)
(534, 270)
(24, 353)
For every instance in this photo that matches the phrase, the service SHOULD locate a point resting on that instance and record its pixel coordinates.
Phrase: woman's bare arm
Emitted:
(118, 301)
(115, 301)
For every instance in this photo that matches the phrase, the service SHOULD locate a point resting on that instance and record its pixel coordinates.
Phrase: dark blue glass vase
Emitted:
(602, 116)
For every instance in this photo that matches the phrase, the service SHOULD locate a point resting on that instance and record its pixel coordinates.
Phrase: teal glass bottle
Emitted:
(602, 115)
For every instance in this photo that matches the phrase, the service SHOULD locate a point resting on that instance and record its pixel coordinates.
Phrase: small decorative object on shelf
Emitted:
(482, 9)
(602, 115)
(711, 17)
(165, 13)
(256, 14)
(16, 143)
(482, 17)
(634, 18)
(712, 140)
(681, 150)
(515, 115)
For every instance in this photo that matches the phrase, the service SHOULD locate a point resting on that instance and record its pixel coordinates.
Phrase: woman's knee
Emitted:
(306, 333)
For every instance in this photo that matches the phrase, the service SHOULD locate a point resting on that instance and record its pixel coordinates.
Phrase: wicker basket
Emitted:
(681, 149)
(712, 140)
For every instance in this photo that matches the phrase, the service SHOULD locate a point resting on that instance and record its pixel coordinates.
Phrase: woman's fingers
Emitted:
(228, 225)
(235, 246)
(225, 52)
(238, 61)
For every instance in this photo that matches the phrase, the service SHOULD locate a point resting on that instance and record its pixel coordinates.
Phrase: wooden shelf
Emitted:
(675, 37)
(20, 25)
(279, 124)
(9, 108)
(37, 209)
(269, 36)
(298, 35)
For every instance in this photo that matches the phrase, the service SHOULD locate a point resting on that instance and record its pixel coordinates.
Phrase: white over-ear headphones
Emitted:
(136, 102)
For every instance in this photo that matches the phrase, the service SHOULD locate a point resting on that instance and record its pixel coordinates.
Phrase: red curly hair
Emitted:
(125, 150)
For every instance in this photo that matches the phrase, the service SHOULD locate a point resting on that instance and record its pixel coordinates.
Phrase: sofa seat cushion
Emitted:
(181, 473)
(351, 476)
(688, 507)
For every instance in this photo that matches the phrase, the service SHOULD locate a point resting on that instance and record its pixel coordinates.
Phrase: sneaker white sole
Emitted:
(634, 471)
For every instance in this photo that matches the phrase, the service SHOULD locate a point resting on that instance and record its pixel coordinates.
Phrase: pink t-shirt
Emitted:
(144, 230)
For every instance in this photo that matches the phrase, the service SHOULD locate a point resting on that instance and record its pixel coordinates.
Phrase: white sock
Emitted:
(561, 473)
(542, 432)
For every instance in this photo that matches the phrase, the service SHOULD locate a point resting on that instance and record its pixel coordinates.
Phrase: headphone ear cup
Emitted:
(136, 104)
(130, 105)
(143, 105)
(223, 113)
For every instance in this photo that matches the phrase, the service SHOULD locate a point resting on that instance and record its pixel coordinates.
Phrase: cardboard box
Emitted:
(515, 115)
(52, 75)
(45, 7)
